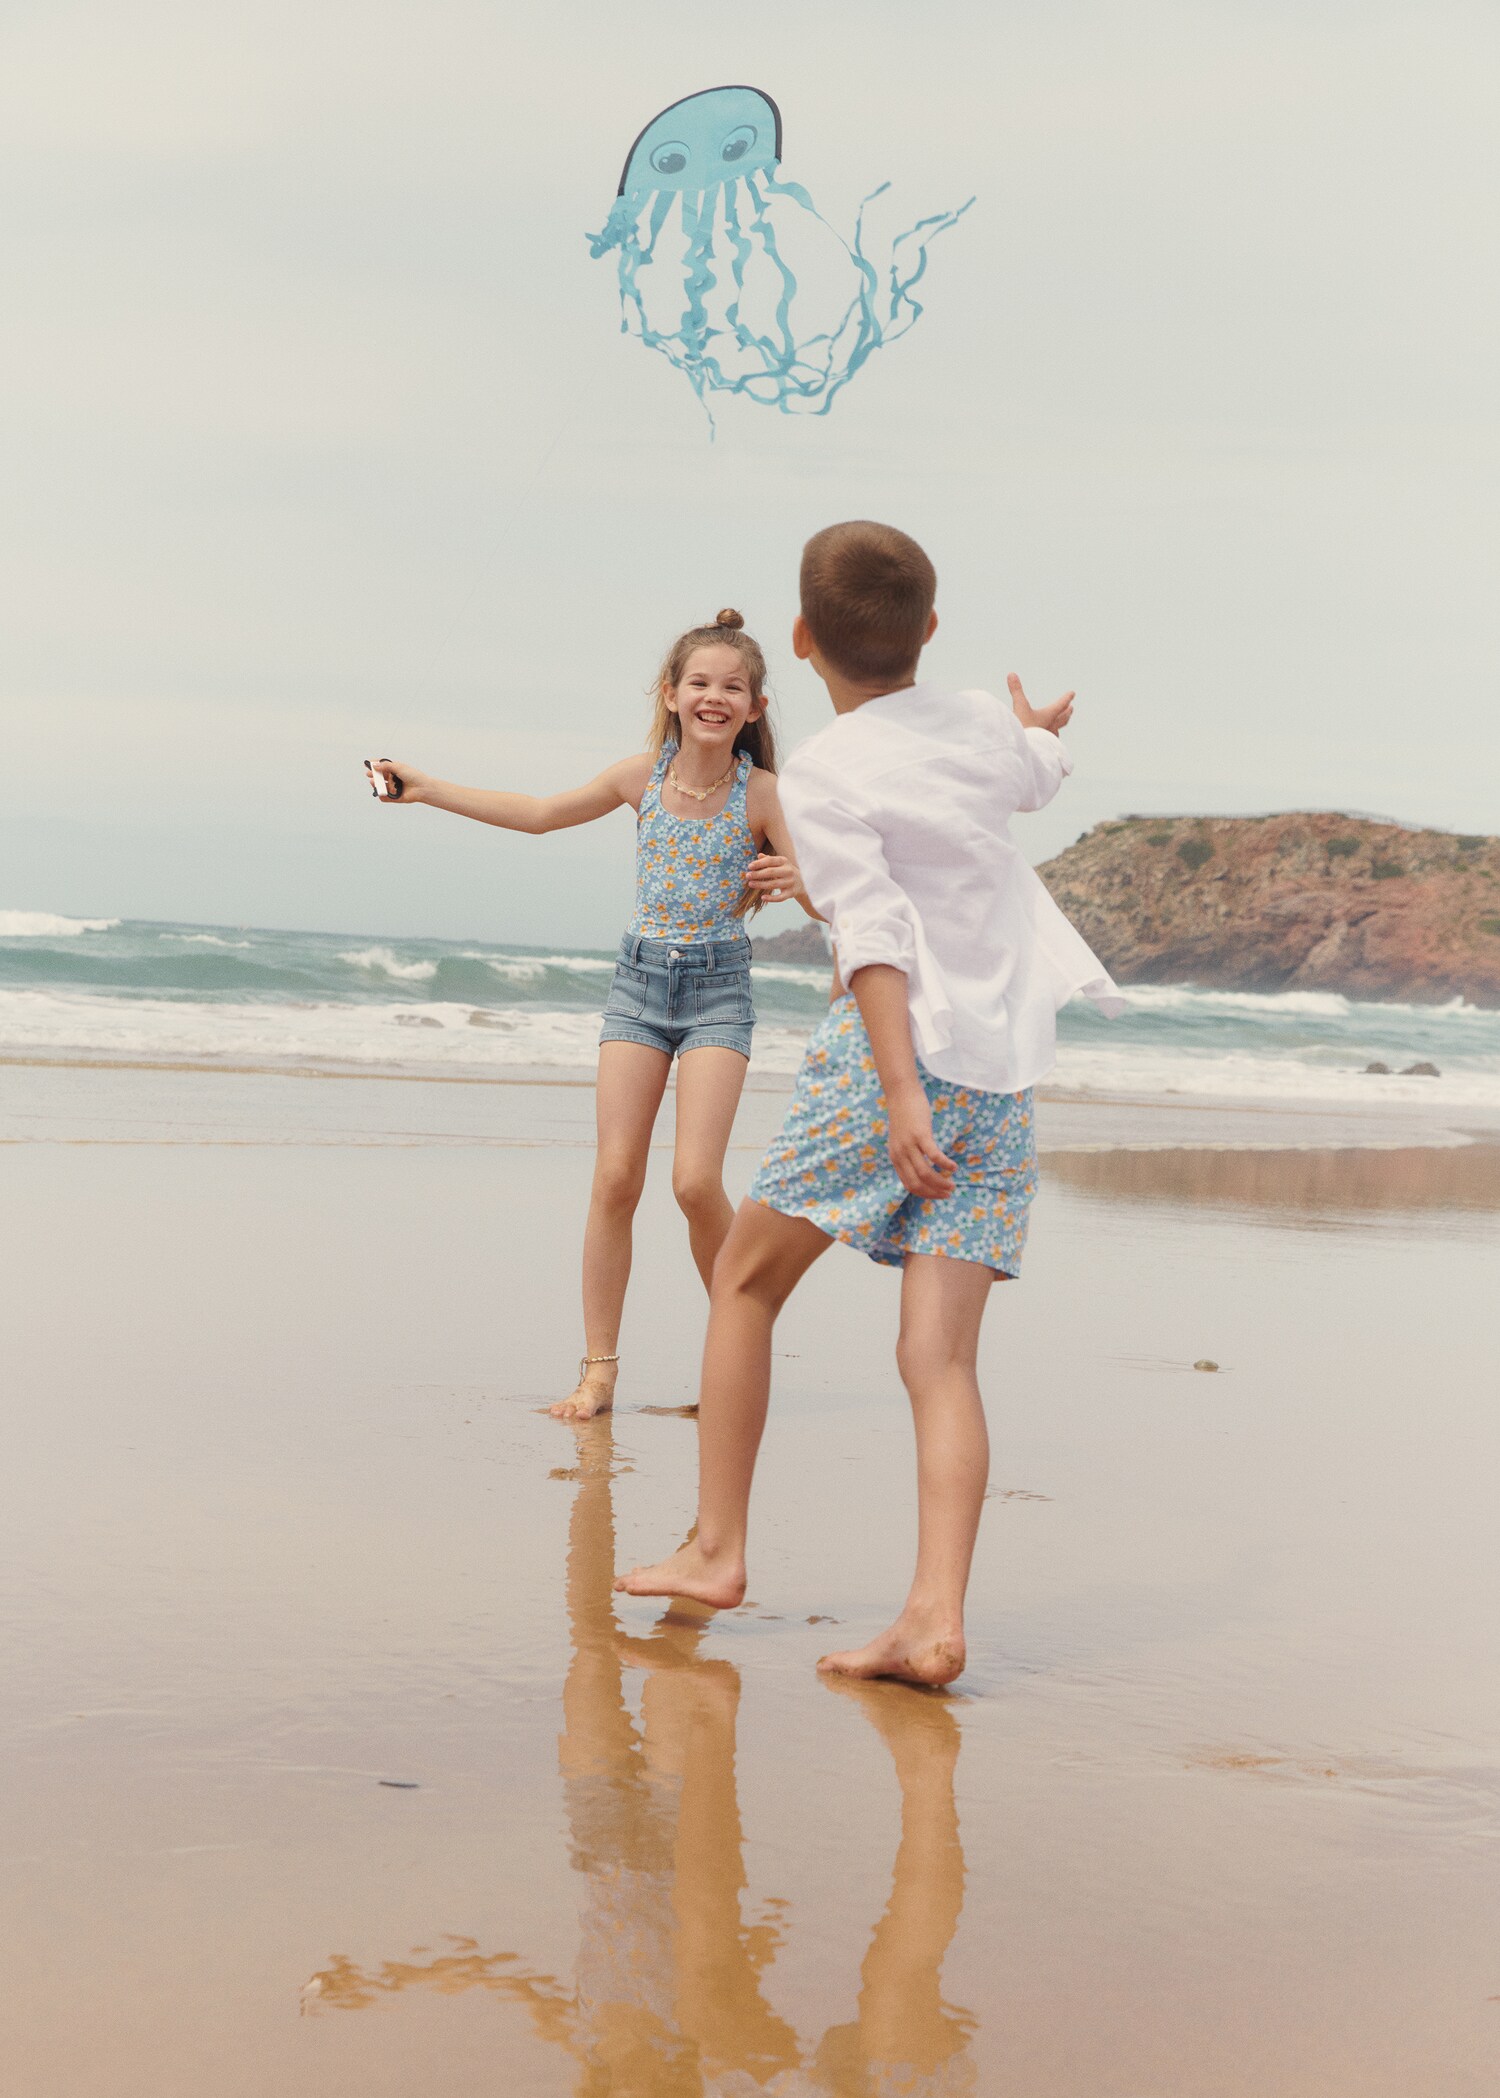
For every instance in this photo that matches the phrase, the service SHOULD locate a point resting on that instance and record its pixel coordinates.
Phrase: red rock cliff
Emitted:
(1271, 903)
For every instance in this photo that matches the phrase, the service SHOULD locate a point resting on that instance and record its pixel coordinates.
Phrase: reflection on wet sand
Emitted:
(668, 1997)
(1464, 1176)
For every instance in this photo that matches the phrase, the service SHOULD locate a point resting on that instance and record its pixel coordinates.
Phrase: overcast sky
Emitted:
(319, 437)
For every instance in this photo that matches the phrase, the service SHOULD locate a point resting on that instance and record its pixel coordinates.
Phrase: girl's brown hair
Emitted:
(727, 631)
(758, 736)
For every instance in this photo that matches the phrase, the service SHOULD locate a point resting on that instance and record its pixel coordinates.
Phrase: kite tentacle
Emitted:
(924, 231)
(698, 224)
(617, 228)
(744, 253)
(767, 363)
(785, 357)
(633, 256)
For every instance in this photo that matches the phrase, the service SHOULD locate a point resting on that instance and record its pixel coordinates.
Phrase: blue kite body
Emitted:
(703, 224)
(720, 136)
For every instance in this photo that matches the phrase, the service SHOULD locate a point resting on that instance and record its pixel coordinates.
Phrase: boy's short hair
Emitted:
(867, 593)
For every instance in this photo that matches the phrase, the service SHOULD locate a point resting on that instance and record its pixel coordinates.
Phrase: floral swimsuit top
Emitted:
(690, 870)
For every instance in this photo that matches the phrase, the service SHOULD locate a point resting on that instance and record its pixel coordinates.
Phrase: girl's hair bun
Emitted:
(731, 619)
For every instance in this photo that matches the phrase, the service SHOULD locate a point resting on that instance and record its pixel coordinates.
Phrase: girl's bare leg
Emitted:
(709, 1084)
(942, 1305)
(764, 1258)
(632, 1079)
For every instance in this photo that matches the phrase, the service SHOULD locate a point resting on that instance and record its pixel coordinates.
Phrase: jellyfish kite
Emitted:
(735, 276)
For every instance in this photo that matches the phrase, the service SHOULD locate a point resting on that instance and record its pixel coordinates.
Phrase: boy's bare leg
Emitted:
(765, 1256)
(632, 1079)
(942, 1306)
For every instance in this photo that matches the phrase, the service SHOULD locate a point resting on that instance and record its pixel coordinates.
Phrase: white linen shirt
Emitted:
(900, 815)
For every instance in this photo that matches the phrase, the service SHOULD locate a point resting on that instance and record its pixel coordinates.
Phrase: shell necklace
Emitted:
(704, 793)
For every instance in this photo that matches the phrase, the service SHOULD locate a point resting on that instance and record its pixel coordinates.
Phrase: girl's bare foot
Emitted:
(690, 1572)
(916, 1649)
(594, 1393)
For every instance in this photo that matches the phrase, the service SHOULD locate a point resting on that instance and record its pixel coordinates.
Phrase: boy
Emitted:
(910, 1132)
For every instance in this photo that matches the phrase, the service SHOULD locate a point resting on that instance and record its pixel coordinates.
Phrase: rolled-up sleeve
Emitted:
(844, 870)
(1047, 766)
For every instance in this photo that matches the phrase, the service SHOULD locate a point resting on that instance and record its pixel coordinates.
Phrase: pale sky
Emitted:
(319, 437)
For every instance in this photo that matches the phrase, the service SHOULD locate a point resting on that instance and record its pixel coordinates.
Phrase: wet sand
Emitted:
(332, 1766)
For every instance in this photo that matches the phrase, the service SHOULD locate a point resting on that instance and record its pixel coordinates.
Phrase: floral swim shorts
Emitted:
(830, 1163)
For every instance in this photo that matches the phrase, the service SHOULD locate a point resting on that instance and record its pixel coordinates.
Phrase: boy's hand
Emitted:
(1052, 719)
(920, 1166)
(403, 782)
(774, 877)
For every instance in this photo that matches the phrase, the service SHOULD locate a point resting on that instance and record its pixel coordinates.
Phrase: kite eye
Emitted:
(738, 143)
(670, 158)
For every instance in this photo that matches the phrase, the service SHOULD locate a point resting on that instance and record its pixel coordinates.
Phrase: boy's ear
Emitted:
(802, 640)
(931, 627)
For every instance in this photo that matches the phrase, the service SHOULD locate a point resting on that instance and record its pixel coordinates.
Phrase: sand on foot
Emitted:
(904, 1654)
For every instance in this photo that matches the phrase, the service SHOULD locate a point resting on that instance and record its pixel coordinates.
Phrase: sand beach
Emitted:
(334, 1767)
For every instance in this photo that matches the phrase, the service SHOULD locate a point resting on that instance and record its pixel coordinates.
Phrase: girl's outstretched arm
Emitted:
(613, 788)
(774, 874)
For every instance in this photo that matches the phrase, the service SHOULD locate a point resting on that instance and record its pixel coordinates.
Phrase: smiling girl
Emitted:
(710, 847)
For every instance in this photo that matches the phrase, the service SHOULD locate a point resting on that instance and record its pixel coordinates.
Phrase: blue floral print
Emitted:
(690, 870)
(830, 1163)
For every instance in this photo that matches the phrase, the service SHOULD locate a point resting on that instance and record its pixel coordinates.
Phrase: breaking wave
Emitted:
(129, 989)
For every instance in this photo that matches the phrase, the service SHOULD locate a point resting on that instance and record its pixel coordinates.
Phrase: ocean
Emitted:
(126, 990)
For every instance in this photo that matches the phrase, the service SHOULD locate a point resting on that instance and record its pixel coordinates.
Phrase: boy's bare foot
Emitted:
(690, 1572)
(914, 1650)
(594, 1393)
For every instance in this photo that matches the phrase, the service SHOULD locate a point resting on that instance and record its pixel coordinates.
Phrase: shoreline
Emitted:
(89, 1099)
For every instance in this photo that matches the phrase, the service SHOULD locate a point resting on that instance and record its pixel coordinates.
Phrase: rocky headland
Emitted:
(1272, 903)
(1296, 902)
(802, 942)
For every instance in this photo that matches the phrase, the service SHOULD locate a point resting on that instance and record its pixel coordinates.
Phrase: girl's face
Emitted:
(713, 700)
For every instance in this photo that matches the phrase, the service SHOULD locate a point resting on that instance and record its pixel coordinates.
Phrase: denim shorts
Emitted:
(676, 995)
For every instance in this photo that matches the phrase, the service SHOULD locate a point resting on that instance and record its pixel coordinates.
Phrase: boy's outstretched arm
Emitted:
(880, 993)
(1047, 761)
(1053, 719)
(610, 789)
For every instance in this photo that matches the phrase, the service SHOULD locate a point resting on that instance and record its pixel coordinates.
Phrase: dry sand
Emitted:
(1212, 1815)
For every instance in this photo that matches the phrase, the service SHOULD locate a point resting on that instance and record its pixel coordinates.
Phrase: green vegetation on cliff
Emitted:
(1296, 902)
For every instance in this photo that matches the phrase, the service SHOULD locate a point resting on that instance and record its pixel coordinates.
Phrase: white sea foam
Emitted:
(48, 925)
(1146, 1071)
(815, 975)
(542, 1009)
(382, 961)
(344, 1033)
(575, 964)
(1322, 1005)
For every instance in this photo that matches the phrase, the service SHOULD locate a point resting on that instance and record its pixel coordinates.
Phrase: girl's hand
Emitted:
(1053, 718)
(920, 1166)
(404, 782)
(773, 876)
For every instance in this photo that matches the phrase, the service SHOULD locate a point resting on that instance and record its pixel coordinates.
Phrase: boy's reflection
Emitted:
(668, 1993)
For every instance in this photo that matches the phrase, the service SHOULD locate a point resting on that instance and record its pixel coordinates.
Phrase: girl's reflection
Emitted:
(668, 1998)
